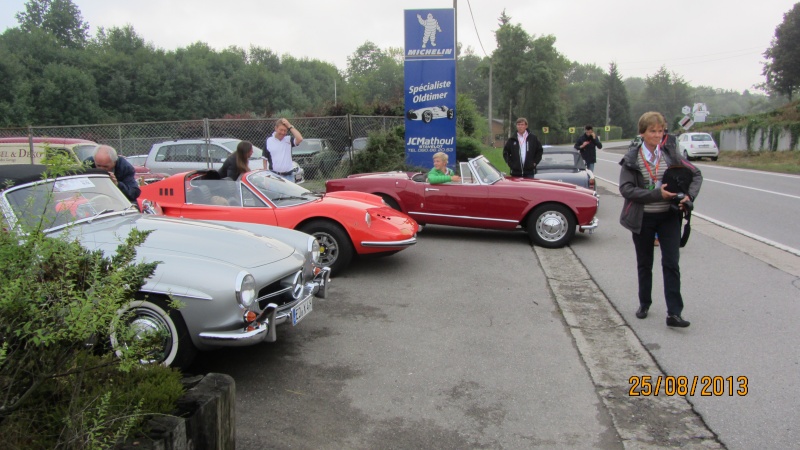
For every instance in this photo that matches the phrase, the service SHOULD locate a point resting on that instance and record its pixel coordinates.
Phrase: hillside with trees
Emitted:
(54, 73)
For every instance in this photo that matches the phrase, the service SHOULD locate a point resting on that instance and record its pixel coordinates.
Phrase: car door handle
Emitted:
(430, 189)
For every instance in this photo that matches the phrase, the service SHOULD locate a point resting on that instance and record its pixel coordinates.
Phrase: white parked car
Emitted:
(697, 145)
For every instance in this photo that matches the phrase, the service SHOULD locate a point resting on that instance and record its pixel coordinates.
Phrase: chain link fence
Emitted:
(331, 136)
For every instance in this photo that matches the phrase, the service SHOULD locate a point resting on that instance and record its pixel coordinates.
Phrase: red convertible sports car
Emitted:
(344, 223)
(549, 210)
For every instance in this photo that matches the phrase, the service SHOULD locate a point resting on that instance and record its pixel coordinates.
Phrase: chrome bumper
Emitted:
(403, 243)
(263, 329)
(591, 227)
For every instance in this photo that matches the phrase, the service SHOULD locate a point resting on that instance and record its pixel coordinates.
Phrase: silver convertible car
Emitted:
(235, 282)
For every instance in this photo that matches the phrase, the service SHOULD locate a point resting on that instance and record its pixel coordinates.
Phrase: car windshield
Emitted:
(84, 151)
(307, 147)
(54, 204)
(487, 173)
(231, 146)
(280, 191)
(701, 137)
(565, 160)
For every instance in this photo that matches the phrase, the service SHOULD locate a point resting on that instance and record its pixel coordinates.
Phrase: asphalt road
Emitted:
(474, 339)
(761, 203)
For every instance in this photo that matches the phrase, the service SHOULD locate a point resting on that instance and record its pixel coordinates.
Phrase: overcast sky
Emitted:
(707, 42)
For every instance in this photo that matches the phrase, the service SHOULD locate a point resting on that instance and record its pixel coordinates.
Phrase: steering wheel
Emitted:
(101, 202)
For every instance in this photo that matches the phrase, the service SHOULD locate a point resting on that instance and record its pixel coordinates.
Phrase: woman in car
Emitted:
(440, 172)
(237, 163)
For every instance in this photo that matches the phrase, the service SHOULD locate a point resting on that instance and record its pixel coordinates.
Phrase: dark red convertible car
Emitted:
(550, 211)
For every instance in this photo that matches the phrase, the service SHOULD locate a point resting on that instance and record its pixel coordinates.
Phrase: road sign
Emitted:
(686, 122)
(686, 110)
(571, 130)
(545, 130)
(608, 128)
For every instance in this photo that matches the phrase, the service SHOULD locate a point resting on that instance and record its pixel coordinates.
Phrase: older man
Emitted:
(119, 169)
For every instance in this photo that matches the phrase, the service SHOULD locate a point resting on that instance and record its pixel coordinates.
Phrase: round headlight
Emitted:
(245, 289)
(313, 247)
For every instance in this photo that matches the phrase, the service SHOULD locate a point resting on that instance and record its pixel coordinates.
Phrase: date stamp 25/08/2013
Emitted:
(706, 385)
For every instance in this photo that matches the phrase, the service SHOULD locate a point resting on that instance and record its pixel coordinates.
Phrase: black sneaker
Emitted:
(677, 321)
(641, 313)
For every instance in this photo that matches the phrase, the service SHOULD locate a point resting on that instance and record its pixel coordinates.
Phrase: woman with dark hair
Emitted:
(237, 162)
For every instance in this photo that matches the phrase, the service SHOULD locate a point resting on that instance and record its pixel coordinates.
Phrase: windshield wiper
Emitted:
(108, 210)
(288, 197)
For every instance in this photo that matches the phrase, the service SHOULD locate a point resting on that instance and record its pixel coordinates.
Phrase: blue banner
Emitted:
(430, 88)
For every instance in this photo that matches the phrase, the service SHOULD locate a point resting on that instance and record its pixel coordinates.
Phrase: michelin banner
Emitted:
(430, 87)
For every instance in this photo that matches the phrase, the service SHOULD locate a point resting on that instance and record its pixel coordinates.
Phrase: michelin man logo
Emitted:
(431, 27)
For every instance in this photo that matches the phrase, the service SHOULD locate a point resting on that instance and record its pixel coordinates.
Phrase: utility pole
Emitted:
(491, 128)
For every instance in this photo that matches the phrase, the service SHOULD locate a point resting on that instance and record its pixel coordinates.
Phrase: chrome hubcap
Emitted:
(551, 226)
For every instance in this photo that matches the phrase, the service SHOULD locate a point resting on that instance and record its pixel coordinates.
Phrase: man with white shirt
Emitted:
(523, 151)
(279, 148)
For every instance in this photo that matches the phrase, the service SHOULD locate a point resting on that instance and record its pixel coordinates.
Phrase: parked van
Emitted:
(19, 150)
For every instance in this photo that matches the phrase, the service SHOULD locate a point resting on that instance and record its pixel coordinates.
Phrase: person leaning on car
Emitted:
(279, 148)
(440, 172)
(587, 145)
(523, 151)
(237, 163)
(648, 210)
(119, 169)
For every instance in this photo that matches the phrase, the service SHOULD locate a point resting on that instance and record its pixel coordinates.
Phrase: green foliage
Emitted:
(60, 18)
(529, 73)
(782, 68)
(58, 304)
(92, 408)
(467, 147)
(385, 151)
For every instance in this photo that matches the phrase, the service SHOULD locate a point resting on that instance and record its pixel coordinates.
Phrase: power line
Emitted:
(476, 28)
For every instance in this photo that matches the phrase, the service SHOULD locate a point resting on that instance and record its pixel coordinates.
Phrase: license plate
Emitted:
(301, 310)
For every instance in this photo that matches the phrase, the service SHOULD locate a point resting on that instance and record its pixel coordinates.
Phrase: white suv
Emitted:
(196, 154)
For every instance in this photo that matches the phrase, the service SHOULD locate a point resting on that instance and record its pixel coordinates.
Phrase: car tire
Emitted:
(450, 113)
(336, 249)
(714, 158)
(686, 155)
(551, 225)
(390, 202)
(154, 315)
(427, 116)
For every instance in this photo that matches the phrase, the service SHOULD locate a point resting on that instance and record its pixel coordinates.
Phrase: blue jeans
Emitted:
(590, 166)
(668, 227)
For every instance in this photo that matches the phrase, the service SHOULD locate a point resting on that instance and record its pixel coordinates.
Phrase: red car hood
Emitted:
(368, 200)
(550, 183)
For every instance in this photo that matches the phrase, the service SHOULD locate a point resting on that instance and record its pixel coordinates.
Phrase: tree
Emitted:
(530, 75)
(664, 92)
(374, 75)
(619, 109)
(782, 68)
(61, 18)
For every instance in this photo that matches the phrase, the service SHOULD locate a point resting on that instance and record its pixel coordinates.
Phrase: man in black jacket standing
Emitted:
(523, 152)
(588, 144)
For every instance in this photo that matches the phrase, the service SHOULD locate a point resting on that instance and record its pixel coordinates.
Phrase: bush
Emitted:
(466, 148)
(59, 388)
(385, 152)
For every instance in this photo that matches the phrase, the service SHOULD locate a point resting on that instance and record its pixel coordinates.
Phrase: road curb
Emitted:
(613, 355)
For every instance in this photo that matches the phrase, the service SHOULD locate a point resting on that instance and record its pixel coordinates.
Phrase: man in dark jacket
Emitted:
(119, 169)
(522, 152)
(588, 144)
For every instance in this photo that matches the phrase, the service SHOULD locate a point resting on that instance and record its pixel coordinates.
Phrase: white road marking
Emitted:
(728, 226)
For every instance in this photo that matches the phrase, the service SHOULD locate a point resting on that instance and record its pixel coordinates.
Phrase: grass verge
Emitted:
(780, 162)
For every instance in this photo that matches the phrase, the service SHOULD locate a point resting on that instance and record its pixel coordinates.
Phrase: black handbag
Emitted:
(677, 179)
